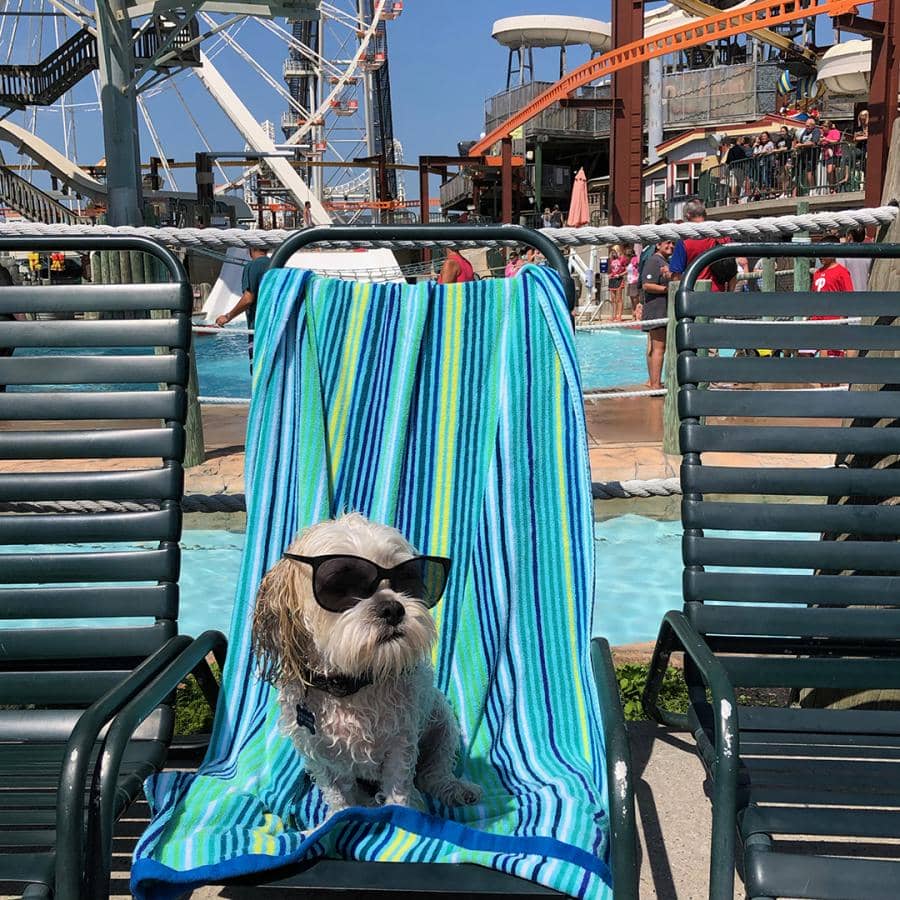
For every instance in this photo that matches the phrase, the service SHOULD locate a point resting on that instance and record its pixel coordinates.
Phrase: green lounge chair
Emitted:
(62, 683)
(248, 817)
(813, 794)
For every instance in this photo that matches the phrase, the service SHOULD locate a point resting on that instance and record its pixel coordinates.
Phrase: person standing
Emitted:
(857, 266)
(831, 276)
(618, 263)
(808, 151)
(307, 215)
(655, 278)
(456, 269)
(556, 218)
(250, 282)
(689, 249)
(547, 218)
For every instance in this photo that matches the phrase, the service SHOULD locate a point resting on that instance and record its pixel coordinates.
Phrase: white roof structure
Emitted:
(844, 68)
(516, 32)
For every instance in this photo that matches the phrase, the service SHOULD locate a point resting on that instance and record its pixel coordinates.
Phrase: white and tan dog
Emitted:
(342, 629)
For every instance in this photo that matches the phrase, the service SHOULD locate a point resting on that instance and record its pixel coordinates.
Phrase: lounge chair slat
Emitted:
(863, 556)
(874, 626)
(824, 590)
(158, 600)
(880, 521)
(36, 837)
(794, 370)
(59, 568)
(154, 525)
(50, 370)
(791, 820)
(134, 484)
(825, 877)
(97, 333)
(127, 642)
(134, 443)
(852, 674)
(697, 438)
(834, 481)
(855, 725)
(793, 404)
(792, 303)
(36, 406)
(696, 336)
(58, 687)
(97, 298)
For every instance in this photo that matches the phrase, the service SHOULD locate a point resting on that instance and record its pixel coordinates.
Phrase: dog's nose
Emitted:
(391, 611)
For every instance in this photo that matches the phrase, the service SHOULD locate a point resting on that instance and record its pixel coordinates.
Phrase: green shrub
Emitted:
(192, 712)
(632, 678)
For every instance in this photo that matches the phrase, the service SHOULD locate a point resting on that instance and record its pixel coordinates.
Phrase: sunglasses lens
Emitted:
(423, 579)
(342, 581)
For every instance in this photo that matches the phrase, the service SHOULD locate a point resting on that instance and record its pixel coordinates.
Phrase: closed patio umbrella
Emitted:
(578, 206)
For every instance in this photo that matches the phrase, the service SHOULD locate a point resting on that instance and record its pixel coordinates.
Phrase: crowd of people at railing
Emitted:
(819, 158)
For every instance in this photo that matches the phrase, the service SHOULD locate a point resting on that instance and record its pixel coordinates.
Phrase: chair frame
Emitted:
(781, 649)
(327, 878)
(80, 796)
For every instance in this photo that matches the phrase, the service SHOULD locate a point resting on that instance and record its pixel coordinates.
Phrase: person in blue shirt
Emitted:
(253, 275)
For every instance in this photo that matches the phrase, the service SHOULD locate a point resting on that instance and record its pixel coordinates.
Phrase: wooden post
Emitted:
(768, 275)
(801, 265)
(671, 421)
(670, 402)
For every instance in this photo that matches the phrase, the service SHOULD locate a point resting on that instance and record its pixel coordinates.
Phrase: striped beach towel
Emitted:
(454, 413)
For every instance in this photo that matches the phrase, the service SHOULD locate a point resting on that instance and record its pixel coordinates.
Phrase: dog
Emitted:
(342, 629)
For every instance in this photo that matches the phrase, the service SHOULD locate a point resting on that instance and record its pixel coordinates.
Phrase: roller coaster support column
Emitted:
(118, 102)
(884, 85)
(627, 119)
(506, 179)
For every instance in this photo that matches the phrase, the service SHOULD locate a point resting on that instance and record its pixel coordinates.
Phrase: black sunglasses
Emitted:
(340, 581)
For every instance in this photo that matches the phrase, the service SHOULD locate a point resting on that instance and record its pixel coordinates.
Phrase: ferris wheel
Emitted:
(207, 74)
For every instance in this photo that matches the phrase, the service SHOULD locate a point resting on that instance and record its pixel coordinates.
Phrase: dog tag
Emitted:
(305, 719)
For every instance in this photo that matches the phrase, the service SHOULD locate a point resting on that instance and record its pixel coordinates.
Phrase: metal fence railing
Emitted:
(807, 171)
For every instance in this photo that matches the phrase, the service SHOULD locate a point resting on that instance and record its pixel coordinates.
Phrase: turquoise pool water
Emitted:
(638, 577)
(607, 358)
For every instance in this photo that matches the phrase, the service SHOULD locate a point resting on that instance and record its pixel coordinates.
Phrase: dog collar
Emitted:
(337, 685)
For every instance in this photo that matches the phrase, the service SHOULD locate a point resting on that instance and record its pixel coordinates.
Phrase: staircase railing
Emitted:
(31, 202)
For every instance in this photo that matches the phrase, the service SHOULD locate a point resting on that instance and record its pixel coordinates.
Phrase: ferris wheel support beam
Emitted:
(250, 130)
(118, 102)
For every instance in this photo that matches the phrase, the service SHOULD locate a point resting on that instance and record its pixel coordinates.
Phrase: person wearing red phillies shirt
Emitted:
(831, 276)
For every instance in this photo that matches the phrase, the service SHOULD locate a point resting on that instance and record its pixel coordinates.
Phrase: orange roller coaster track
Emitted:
(723, 25)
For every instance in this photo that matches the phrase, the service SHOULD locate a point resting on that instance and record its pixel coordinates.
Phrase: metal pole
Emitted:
(538, 177)
(654, 109)
(626, 150)
(118, 103)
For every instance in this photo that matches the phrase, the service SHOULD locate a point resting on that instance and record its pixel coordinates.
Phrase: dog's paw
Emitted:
(459, 793)
(412, 799)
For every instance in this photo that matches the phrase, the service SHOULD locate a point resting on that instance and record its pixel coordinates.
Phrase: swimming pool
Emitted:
(630, 595)
(608, 359)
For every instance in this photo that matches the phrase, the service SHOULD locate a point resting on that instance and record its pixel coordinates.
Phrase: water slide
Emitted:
(52, 160)
(752, 17)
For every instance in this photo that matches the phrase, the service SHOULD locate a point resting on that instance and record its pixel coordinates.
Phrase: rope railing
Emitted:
(738, 229)
(237, 502)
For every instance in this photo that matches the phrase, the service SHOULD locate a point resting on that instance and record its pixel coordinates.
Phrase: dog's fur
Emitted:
(391, 738)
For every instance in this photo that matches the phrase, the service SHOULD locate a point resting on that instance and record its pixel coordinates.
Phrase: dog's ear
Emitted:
(280, 640)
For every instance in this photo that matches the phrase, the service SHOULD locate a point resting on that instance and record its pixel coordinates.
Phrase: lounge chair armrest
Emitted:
(192, 658)
(71, 804)
(677, 633)
(623, 829)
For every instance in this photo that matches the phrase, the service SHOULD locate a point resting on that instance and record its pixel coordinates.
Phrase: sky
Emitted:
(444, 64)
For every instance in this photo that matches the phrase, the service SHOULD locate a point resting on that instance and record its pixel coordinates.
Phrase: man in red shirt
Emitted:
(831, 276)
